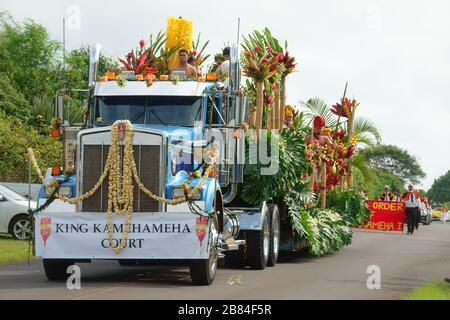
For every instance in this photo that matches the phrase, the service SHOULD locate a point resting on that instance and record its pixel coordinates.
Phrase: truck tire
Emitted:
(258, 245)
(203, 272)
(56, 270)
(274, 246)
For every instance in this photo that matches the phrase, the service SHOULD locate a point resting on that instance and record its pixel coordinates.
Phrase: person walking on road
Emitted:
(386, 195)
(398, 196)
(412, 202)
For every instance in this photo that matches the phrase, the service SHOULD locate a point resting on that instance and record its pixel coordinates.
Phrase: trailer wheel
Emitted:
(258, 245)
(274, 235)
(203, 272)
(56, 270)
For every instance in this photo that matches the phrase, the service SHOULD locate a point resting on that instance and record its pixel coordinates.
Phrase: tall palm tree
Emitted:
(317, 107)
(366, 132)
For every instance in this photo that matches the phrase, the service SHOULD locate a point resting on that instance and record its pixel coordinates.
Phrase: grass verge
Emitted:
(439, 291)
(12, 250)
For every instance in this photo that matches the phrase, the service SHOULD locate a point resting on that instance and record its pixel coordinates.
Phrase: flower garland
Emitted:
(122, 171)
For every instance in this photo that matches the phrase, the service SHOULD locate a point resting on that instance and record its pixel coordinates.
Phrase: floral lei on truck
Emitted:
(121, 186)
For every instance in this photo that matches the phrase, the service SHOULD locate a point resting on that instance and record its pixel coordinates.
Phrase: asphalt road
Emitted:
(406, 262)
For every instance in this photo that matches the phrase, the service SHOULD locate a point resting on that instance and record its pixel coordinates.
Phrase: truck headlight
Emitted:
(178, 193)
(65, 191)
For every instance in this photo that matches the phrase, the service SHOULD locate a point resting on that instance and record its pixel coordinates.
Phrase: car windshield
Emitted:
(168, 111)
(11, 194)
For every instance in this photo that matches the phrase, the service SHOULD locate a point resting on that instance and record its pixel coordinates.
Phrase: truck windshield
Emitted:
(168, 111)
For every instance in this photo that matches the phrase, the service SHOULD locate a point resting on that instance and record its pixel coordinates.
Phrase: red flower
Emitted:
(269, 100)
(142, 43)
(129, 55)
(194, 53)
(350, 152)
(257, 49)
(269, 48)
(280, 57)
(319, 122)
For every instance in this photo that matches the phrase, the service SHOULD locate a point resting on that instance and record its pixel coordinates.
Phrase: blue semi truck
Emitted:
(174, 123)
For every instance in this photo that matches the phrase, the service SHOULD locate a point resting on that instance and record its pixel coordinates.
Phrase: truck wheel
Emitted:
(258, 245)
(274, 235)
(56, 270)
(203, 272)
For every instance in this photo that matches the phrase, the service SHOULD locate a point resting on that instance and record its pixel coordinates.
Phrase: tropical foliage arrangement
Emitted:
(315, 151)
(267, 64)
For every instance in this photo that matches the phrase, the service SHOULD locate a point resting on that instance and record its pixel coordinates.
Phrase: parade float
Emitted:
(171, 170)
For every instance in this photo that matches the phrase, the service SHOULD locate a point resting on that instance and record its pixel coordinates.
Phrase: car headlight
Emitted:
(178, 193)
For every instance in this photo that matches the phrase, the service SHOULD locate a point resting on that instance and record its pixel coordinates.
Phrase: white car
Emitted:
(13, 213)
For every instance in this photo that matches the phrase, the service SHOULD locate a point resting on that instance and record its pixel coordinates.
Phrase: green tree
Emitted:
(395, 160)
(440, 190)
(27, 56)
(379, 179)
(12, 103)
(15, 138)
(78, 67)
(77, 77)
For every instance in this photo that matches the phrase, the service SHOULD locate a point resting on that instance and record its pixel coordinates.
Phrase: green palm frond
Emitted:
(366, 132)
(359, 163)
(317, 107)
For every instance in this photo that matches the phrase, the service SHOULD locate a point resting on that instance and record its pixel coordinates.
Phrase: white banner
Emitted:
(152, 236)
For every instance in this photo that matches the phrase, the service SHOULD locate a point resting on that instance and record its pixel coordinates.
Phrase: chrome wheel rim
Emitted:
(22, 229)
(266, 239)
(213, 255)
(276, 234)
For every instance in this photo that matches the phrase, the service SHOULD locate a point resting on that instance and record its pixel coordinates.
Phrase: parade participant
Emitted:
(445, 214)
(412, 202)
(317, 136)
(387, 195)
(398, 196)
(224, 69)
(218, 60)
(419, 211)
(183, 65)
(361, 191)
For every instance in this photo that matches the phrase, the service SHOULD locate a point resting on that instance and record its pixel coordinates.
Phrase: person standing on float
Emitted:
(412, 203)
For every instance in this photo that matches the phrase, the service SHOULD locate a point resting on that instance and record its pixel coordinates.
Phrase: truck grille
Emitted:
(148, 164)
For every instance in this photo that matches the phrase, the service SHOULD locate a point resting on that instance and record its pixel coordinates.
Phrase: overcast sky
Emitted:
(395, 54)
